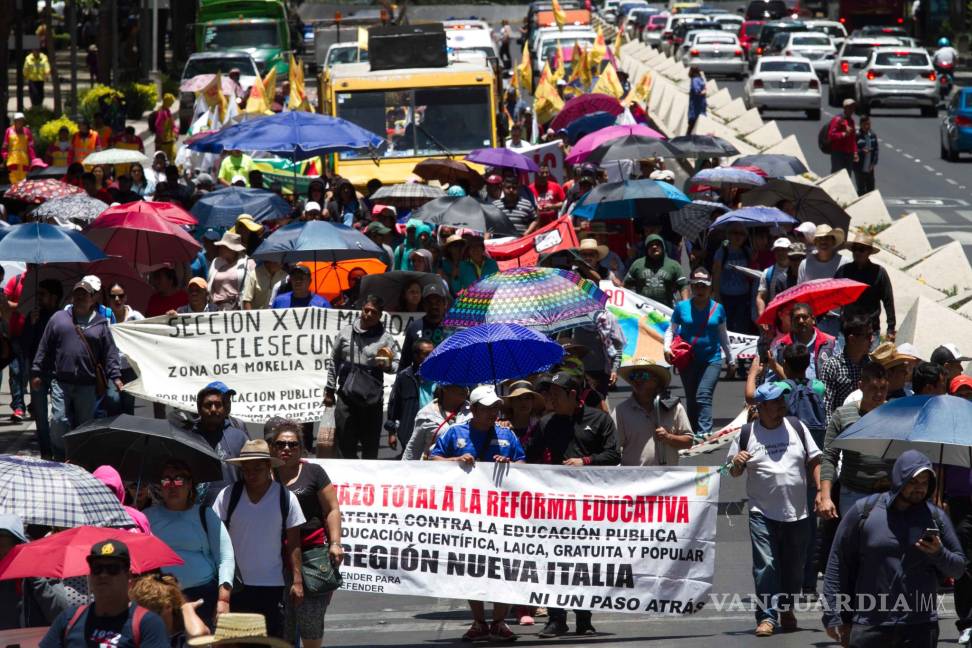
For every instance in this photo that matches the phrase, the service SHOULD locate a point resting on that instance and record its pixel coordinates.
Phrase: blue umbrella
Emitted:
(754, 217)
(934, 425)
(318, 241)
(588, 124)
(490, 353)
(296, 135)
(629, 199)
(43, 243)
(222, 207)
(728, 175)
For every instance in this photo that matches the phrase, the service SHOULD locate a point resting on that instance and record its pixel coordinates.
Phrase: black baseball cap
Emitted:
(566, 380)
(110, 549)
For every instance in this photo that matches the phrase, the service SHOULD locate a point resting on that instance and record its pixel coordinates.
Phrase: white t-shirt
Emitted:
(776, 475)
(255, 529)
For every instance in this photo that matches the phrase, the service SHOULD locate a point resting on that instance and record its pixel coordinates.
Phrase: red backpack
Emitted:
(137, 617)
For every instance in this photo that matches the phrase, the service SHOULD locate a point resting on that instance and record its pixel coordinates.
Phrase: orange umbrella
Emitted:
(330, 278)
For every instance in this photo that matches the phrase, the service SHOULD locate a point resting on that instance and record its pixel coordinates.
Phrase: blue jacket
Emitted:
(875, 556)
(63, 355)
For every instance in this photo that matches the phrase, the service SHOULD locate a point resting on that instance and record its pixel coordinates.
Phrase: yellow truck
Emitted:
(435, 112)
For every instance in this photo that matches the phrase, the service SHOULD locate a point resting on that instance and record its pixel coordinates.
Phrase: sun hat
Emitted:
(239, 628)
(246, 220)
(826, 230)
(199, 282)
(887, 355)
(255, 450)
(521, 388)
(662, 372)
(232, 241)
(592, 244)
(860, 238)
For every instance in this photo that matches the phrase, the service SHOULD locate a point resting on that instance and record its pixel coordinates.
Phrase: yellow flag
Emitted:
(362, 39)
(608, 83)
(640, 92)
(560, 17)
(599, 50)
(270, 84)
(214, 97)
(298, 99)
(546, 75)
(546, 102)
(580, 73)
(561, 70)
(523, 76)
(616, 48)
(258, 103)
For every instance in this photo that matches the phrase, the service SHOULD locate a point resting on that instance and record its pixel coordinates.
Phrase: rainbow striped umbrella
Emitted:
(546, 300)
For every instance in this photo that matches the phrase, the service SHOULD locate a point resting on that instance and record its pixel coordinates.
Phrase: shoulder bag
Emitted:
(101, 380)
(362, 386)
(320, 576)
(681, 350)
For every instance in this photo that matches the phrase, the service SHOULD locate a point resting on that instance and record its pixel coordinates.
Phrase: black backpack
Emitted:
(823, 138)
(802, 403)
(747, 430)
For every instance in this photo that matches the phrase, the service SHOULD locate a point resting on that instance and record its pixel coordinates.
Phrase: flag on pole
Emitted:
(609, 83)
(298, 98)
(546, 101)
(213, 96)
(598, 51)
(579, 81)
(640, 92)
(362, 39)
(560, 17)
(258, 103)
(560, 71)
(616, 48)
(523, 76)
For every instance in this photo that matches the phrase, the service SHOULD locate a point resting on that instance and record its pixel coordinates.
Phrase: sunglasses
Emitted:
(112, 569)
(173, 482)
(118, 296)
(641, 376)
(285, 445)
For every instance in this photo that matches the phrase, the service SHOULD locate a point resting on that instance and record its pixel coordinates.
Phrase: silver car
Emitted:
(815, 46)
(716, 53)
(783, 83)
(851, 58)
(901, 76)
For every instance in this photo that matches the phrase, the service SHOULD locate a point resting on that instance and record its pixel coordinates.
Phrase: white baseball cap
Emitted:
(92, 281)
(312, 206)
(484, 395)
(807, 229)
(662, 174)
(782, 243)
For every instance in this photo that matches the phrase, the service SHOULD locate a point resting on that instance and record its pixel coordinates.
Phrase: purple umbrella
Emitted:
(586, 144)
(502, 157)
(585, 105)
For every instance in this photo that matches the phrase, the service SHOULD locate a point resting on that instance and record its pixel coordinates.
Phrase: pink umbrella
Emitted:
(587, 144)
(166, 210)
(145, 239)
(111, 271)
(200, 81)
(585, 105)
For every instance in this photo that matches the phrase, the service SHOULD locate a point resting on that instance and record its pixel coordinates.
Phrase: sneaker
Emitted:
(499, 631)
(477, 632)
(585, 629)
(541, 612)
(17, 416)
(965, 638)
(788, 621)
(526, 619)
(764, 629)
(553, 629)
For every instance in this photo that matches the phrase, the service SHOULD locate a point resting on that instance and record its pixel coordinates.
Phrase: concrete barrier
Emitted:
(838, 185)
(788, 146)
(929, 324)
(732, 110)
(902, 242)
(746, 123)
(869, 211)
(765, 136)
(719, 99)
(946, 268)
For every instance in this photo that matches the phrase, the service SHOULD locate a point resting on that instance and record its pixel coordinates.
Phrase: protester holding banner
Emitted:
(651, 429)
(450, 407)
(410, 393)
(481, 439)
(361, 353)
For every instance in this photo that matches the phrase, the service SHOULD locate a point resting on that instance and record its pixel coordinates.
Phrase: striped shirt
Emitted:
(520, 214)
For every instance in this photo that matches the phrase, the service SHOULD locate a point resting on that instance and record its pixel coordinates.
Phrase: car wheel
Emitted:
(813, 115)
(929, 111)
(950, 155)
(942, 151)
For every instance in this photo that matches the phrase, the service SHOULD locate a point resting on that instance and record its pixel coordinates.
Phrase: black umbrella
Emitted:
(633, 147)
(465, 212)
(775, 165)
(389, 285)
(703, 146)
(138, 447)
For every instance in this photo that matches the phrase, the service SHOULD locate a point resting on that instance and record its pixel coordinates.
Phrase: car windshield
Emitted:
(657, 22)
(241, 35)
(552, 46)
(815, 41)
(831, 30)
(715, 40)
(421, 122)
(213, 65)
(906, 59)
(863, 51)
(346, 55)
(784, 66)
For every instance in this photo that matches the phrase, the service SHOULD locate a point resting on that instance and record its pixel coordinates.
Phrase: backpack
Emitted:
(823, 138)
(137, 617)
(802, 403)
(235, 496)
(795, 423)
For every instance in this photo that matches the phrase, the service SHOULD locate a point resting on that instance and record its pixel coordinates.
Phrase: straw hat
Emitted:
(455, 238)
(246, 220)
(860, 238)
(660, 371)
(519, 388)
(239, 628)
(572, 348)
(592, 244)
(888, 356)
(232, 241)
(825, 230)
(256, 450)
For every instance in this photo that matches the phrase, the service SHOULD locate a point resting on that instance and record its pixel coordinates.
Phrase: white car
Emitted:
(898, 76)
(783, 83)
(478, 40)
(849, 60)
(729, 22)
(652, 33)
(815, 46)
(348, 52)
(550, 44)
(833, 28)
(716, 53)
(666, 45)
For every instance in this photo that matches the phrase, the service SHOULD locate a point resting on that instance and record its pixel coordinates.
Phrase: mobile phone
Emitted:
(762, 349)
(927, 535)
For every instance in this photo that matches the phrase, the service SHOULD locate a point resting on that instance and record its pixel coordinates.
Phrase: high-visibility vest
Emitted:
(18, 149)
(57, 155)
(82, 146)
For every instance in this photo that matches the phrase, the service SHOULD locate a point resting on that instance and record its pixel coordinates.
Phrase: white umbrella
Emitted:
(115, 156)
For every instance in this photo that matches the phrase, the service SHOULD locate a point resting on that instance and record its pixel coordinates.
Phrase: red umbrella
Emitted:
(145, 239)
(585, 105)
(169, 211)
(37, 191)
(64, 554)
(823, 295)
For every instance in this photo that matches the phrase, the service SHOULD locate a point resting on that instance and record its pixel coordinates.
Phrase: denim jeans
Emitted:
(71, 406)
(915, 635)
(699, 380)
(779, 554)
(38, 408)
(19, 368)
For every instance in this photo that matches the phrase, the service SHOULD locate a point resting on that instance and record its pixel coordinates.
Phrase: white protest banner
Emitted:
(625, 539)
(655, 318)
(276, 360)
(551, 154)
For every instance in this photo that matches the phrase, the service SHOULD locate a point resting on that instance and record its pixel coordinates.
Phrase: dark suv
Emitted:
(768, 32)
(766, 10)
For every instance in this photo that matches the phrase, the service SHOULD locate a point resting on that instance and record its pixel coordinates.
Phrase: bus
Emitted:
(442, 112)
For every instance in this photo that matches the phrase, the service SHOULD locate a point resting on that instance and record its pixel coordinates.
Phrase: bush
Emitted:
(90, 99)
(139, 99)
(37, 116)
(62, 41)
(170, 85)
(48, 132)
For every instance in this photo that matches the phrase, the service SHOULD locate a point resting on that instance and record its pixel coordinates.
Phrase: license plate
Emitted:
(785, 85)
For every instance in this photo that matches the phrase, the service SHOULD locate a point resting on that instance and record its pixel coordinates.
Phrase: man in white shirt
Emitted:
(651, 430)
(255, 511)
(823, 263)
(775, 279)
(781, 458)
